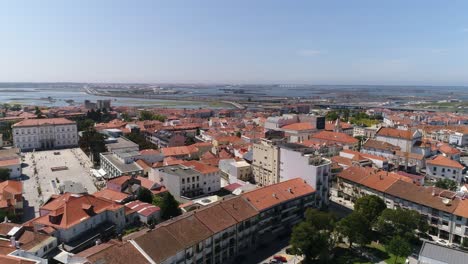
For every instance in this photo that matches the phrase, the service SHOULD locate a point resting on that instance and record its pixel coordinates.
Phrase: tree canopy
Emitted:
(314, 237)
(355, 228)
(145, 195)
(446, 184)
(147, 115)
(370, 207)
(168, 204)
(398, 247)
(400, 222)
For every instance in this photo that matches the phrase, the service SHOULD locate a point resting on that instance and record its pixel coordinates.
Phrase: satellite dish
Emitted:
(445, 201)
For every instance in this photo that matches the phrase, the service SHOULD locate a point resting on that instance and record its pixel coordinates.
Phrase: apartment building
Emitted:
(218, 233)
(441, 167)
(190, 179)
(445, 211)
(265, 164)
(120, 163)
(298, 161)
(47, 133)
(281, 206)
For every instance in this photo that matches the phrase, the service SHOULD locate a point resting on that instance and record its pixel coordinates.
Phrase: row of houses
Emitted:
(445, 211)
(217, 233)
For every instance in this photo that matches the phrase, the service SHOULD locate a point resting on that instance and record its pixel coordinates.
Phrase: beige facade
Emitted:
(265, 165)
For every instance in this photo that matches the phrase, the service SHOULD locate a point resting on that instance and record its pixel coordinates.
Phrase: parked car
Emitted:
(280, 258)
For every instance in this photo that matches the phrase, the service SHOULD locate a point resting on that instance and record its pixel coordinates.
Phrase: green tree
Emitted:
(355, 228)
(146, 115)
(85, 124)
(4, 174)
(370, 207)
(92, 143)
(169, 206)
(140, 139)
(447, 184)
(400, 222)
(126, 117)
(320, 220)
(38, 112)
(15, 107)
(308, 241)
(398, 247)
(145, 195)
(332, 116)
(314, 237)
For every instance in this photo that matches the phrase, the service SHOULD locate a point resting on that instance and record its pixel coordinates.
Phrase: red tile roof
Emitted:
(111, 195)
(444, 162)
(9, 162)
(178, 151)
(395, 133)
(68, 208)
(43, 122)
(272, 195)
(200, 167)
(335, 137)
(299, 126)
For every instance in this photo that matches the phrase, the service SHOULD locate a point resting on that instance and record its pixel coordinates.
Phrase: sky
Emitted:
(418, 42)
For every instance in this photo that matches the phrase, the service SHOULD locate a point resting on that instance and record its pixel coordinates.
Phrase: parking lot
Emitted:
(40, 181)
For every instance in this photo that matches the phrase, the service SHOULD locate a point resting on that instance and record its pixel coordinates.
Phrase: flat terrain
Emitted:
(40, 182)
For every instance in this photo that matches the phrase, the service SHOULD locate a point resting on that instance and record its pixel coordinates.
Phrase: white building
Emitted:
(10, 159)
(71, 216)
(191, 179)
(442, 167)
(120, 163)
(298, 161)
(459, 139)
(404, 139)
(47, 133)
(236, 169)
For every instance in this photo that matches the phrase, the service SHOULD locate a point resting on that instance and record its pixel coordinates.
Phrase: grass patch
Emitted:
(130, 230)
(379, 251)
(345, 256)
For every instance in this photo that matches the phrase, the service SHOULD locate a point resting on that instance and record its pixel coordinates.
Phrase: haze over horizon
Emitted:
(301, 42)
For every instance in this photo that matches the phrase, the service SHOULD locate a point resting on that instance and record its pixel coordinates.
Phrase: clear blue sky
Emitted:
(251, 41)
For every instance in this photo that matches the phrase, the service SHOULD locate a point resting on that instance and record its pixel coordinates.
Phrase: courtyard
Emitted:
(46, 173)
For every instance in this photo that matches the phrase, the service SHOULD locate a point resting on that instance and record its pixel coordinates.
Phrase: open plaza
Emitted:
(46, 173)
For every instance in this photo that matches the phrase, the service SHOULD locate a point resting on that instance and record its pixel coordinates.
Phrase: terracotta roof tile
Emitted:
(445, 162)
(272, 195)
(299, 126)
(44, 121)
(335, 137)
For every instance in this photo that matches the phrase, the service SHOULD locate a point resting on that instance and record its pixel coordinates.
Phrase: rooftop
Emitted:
(44, 122)
(272, 195)
(121, 166)
(179, 170)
